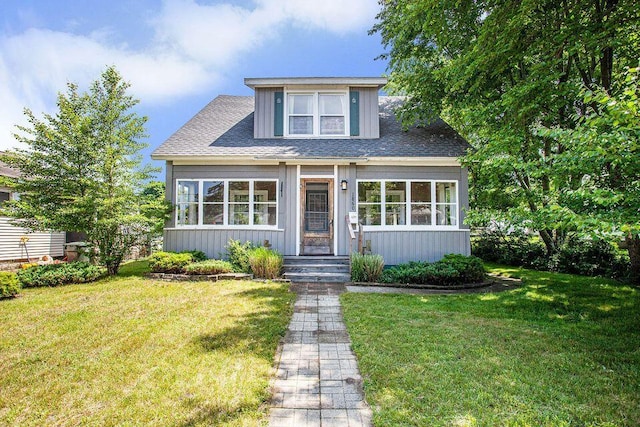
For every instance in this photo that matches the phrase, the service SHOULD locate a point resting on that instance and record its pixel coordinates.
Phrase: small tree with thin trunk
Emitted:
(81, 169)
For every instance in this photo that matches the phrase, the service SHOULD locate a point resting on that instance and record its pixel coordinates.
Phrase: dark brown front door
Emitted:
(317, 217)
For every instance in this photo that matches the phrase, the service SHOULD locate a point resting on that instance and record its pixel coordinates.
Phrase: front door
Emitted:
(317, 217)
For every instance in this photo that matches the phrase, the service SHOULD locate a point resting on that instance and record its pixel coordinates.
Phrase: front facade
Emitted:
(306, 159)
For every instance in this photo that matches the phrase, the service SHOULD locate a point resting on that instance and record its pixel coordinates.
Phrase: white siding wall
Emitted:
(39, 244)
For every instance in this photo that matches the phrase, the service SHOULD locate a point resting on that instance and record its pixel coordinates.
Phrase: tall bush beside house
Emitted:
(265, 263)
(9, 285)
(366, 268)
(238, 255)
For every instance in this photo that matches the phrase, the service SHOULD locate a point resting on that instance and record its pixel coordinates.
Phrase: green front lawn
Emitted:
(134, 351)
(561, 350)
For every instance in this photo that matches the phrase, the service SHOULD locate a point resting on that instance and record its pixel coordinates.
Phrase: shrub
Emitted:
(210, 266)
(451, 270)
(60, 274)
(514, 248)
(196, 255)
(169, 262)
(238, 255)
(366, 268)
(265, 263)
(9, 284)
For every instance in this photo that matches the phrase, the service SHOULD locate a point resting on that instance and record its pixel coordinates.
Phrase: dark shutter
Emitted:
(354, 113)
(278, 114)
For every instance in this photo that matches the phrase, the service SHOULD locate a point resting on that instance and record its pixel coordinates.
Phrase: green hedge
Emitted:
(9, 284)
(59, 274)
(170, 262)
(210, 266)
(452, 270)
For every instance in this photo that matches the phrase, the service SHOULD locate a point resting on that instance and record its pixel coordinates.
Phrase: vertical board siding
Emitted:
(265, 113)
(39, 244)
(213, 242)
(368, 115)
(398, 247)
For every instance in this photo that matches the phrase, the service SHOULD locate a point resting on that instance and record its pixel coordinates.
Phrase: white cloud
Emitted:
(194, 44)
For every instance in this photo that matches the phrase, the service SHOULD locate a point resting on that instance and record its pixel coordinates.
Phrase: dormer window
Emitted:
(316, 114)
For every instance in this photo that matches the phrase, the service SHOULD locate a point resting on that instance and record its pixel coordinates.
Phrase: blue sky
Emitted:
(177, 54)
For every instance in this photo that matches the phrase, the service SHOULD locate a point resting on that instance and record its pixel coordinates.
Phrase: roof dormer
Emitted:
(316, 107)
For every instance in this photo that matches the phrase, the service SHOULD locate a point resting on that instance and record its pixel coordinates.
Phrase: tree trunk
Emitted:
(634, 255)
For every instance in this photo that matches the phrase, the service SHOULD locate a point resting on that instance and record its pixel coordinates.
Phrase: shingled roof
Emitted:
(224, 128)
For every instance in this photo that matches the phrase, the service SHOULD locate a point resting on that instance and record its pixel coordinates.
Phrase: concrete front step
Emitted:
(326, 269)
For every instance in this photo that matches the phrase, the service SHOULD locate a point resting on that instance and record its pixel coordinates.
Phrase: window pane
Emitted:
(445, 192)
(264, 191)
(187, 214)
(301, 125)
(395, 192)
(213, 191)
(187, 191)
(369, 192)
(264, 214)
(238, 191)
(239, 214)
(446, 214)
(331, 104)
(395, 214)
(369, 214)
(420, 214)
(421, 192)
(213, 214)
(300, 104)
(331, 125)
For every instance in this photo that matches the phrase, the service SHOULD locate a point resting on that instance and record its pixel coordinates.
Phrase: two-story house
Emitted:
(293, 162)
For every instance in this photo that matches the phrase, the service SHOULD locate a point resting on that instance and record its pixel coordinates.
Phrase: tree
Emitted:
(497, 71)
(80, 170)
(603, 151)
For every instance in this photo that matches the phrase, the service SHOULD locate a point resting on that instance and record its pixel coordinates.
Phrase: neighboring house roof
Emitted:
(7, 171)
(224, 128)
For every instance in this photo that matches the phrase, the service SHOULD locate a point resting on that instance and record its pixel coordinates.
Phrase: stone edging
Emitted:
(199, 277)
(417, 286)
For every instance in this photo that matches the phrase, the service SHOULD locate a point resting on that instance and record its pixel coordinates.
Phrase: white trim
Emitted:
(225, 227)
(225, 208)
(298, 207)
(335, 210)
(275, 160)
(317, 176)
(315, 113)
(434, 226)
(254, 82)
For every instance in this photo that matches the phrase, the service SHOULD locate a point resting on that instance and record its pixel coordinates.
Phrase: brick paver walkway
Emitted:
(317, 382)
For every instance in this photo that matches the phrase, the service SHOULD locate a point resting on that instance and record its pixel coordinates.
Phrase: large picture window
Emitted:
(317, 114)
(407, 203)
(226, 203)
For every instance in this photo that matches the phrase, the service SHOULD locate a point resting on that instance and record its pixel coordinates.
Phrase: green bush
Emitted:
(238, 255)
(9, 284)
(196, 255)
(366, 268)
(169, 262)
(451, 270)
(60, 274)
(210, 266)
(265, 263)
(513, 248)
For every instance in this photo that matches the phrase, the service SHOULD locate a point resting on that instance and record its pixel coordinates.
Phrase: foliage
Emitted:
(265, 263)
(169, 262)
(451, 270)
(367, 267)
(59, 274)
(498, 71)
(602, 153)
(154, 206)
(238, 255)
(589, 256)
(210, 266)
(196, 255)
(80, 170)
(9, 284)
(556, 350)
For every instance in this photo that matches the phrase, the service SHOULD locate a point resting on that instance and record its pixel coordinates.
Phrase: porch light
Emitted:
(343, 185)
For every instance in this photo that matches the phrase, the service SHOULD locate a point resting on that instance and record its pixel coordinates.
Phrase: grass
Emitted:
(132, 351)
(561, 350)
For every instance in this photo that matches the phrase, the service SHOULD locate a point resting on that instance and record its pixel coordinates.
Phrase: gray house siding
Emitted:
(369, 121)
(264, 117)
(396, 246)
